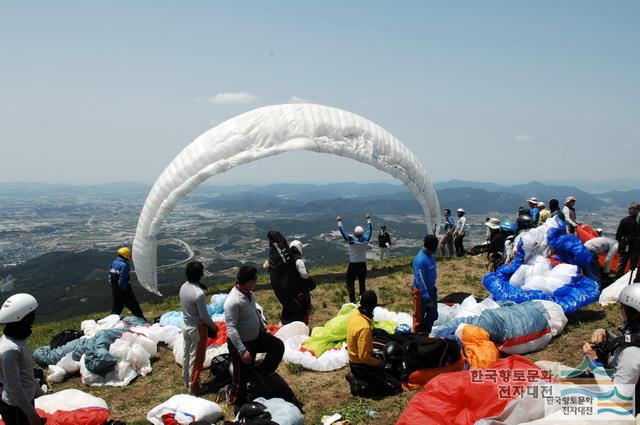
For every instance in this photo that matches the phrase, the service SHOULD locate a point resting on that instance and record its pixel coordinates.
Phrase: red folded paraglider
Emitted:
(462, 398)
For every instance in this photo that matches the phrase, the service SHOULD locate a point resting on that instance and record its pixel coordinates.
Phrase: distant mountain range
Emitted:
(474, 197)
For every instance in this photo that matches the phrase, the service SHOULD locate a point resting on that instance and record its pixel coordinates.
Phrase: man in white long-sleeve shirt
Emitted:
(603, 245)
(197, 325)
(459, 232)
(19, 387)
(247, 336)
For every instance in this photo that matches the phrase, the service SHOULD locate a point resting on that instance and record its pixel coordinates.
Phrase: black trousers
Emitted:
(125, 297)
(378, 382)
(627, 255)
(359, 271)
(12, 415)
(242, 372)
(457, 242)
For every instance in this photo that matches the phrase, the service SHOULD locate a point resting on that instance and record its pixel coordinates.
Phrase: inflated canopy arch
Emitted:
(265, 132)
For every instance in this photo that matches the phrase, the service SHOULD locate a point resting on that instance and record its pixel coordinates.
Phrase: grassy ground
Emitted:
(327, 393)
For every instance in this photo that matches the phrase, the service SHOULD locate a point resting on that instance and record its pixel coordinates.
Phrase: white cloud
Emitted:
(296, 99)
(523, 138)
(238, 97)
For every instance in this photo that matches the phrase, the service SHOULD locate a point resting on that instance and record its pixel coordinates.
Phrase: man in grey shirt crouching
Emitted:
(247, 336)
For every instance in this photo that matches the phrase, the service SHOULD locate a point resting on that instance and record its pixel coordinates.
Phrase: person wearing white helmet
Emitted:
(459, 232)
(19, 387)
(622, 354)
(303, 283)
(120, 285)
(358, 246)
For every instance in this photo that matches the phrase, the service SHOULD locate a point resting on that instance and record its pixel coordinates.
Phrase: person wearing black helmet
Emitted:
(459, 232)
(622, 354)
(368, 376)
(19, 387)
(424, 291)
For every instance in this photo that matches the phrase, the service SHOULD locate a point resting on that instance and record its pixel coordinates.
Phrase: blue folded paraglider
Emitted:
(582, 290)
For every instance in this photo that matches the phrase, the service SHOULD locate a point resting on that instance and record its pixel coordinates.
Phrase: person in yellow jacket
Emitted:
(368, 376)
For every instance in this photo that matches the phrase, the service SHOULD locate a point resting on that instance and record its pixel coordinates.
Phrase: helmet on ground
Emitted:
(358, 231)
(599, 231)
(524, 221)
(297, 244)
(630, 296)
(392, 351)
(125, 252)
(16, 307)
(460, 210)
(252, 410)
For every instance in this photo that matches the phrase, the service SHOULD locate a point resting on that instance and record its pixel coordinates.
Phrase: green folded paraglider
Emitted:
(334, 332)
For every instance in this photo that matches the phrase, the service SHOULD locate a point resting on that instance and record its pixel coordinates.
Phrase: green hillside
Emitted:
(325, 393)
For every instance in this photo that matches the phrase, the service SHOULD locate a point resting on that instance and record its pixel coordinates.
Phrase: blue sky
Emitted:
(94, 92)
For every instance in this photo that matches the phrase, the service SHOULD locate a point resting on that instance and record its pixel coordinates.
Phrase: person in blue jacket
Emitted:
(534, 210)
(358, 247)
(425, 293)
(120, 287)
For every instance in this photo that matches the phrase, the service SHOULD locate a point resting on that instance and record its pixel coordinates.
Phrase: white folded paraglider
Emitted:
(267, 132)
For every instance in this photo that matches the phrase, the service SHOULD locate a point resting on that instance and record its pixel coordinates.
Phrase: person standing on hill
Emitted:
(554, 209)
(534, 211)
(424, 291)
(569, 212)
(627, 236)
(198, 326)
(358, 246)
(121, 287)
(495, 252)
(19, 387)
(459, 232)
(384, 242)
(544, 213)
(447, 238)
(247, 336)
(303, 284)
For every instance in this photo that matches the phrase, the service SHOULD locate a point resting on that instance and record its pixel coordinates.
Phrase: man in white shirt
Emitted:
(459, 232)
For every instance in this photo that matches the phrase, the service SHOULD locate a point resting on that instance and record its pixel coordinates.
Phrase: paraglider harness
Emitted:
(609, 346)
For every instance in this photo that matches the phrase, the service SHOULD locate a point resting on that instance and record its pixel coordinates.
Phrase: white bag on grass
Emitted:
(185, 409)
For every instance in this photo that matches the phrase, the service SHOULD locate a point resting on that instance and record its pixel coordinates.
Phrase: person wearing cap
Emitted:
(447, 238)
(627, 236)
(534, 212)
(368, 376)
(198, 326)
(459, 232)
(384, 242)
(358, 246)
(622, 354)
(544, 213)
(495, 252)
(247, 336)
(121, 287)
(603, 245)
(19, 387)
(569, 212)
(424, 291)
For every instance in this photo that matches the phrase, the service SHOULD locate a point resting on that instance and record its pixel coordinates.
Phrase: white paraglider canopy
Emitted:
(265, 132)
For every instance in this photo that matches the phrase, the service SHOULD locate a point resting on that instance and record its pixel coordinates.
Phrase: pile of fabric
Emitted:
(71, 407)
(532, 275)
(511, 328)
(325, 349)
(111, 351)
